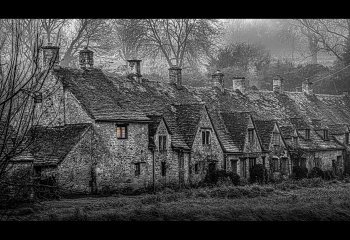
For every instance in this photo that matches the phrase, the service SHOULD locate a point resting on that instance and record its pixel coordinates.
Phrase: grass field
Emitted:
(301, 201)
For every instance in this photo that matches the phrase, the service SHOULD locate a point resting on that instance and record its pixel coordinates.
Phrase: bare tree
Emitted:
(20, 92)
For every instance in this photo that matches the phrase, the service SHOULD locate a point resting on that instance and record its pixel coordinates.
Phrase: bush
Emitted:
(299, 172)
(258, 173)
(316, 173)
(235, 178)
(328, 175)
(215, 176)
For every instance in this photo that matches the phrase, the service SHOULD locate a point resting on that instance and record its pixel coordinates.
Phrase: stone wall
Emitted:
(326, 159)
(201, 152)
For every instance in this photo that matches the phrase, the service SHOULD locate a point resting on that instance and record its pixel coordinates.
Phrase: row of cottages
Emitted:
(114, 131)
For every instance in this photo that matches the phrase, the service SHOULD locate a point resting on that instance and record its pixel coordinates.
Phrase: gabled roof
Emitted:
(52, 144)
(98, 95)
(264, 129)
(237, 125)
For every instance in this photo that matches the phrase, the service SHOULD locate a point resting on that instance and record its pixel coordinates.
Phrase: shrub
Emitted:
(299, 172)
(328, 175)
(235, 178)
(316, 173)
(215, 176)
(258, 173)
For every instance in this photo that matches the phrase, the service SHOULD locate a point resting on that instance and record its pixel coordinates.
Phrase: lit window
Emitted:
(122, 131)
(206, 137)
(137, 169)
(251, 135)
(162, 143)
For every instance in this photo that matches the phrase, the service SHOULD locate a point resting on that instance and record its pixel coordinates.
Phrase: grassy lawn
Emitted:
(302, 201)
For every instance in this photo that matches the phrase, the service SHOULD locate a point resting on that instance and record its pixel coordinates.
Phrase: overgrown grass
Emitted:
(308, 199)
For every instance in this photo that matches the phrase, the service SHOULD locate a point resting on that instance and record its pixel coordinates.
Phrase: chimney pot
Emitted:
(218, 80)
(86, 58)
(277, 84)
(50, 55)
(134, 69)
(239, 83)
(175, 76)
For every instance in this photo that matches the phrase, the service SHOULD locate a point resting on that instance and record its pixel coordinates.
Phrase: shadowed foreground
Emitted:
(308, 200)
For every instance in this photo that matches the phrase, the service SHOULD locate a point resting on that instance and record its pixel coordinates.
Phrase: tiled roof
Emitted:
(264, 130)
(98, 95)
(338, 129)
(51, 145)
(237, 125)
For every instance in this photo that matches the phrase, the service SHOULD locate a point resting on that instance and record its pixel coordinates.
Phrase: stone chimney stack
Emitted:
(175, 76)
(218, 80)
(306, 86)
(134, 69)
(50, 55)
(277, 84)
(239, 83)
(86, 58)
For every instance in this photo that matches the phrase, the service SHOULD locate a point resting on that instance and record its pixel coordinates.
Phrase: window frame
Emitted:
(251, 135)
(325, 134)
(206, 137)
(276, 138)
(162, 143)
(126, 130)
(234, 162)
(163, 168)
(307, 134)
(346, 138)
(137, 169)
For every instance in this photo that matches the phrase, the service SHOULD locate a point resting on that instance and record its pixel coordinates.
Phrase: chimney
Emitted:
(218, 80)
(239, 83)
(86, 58)
(134, 69)
(306, 87)
(50, 55)
(277, 84)
(175, 76)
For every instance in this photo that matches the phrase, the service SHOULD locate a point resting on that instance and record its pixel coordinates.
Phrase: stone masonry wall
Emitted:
(200, 152)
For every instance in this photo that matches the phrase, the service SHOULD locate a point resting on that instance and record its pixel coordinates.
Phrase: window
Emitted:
(252, 162)
(243, 168)
(325, 134)
(162, 143)
(196, 168)
(163, 168)
(275, 164)
(284, 165)
(346, 138)
(122, 132)
(317, 162)
(276, 139)
(205, 137)
(181, 160)
(37, 171)
(251, 135)
(137, 169)
(295, 141)
(307, 134)
(234, 165)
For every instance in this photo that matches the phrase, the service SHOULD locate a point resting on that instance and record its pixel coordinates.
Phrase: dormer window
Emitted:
(206, 137)
(162, 143)
(325, 134)
(251, 135)
(307, 134)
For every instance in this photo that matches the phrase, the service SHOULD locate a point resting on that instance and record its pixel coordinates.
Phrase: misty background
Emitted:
(259, 49)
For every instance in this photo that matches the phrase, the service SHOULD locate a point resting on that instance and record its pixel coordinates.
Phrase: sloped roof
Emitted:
(264, 130)
(237, 125)
(52, 144)
(98, 95)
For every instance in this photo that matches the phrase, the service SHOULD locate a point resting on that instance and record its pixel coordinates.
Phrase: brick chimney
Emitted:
(277, 84)
(218, 80)
(134, 69)
(175, 76)
(306, 86)
(50, 55)
(239, 83)
(86, 58)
